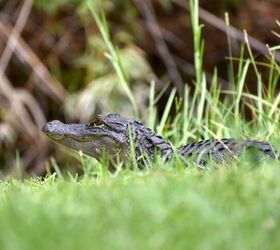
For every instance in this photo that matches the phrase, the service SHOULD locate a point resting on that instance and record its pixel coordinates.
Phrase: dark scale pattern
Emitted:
(220, 150)
(146, 141)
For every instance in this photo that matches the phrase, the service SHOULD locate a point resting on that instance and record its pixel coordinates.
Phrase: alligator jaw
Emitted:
(58, 131)
(93, 141)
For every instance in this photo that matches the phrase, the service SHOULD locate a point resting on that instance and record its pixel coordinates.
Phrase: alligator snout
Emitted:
(54, 129)
(57, 131)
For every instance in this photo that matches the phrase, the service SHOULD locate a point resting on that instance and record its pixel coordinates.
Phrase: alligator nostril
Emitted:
(45, 128)
(51, 126)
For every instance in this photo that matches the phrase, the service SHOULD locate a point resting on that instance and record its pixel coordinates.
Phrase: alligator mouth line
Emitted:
(92, 137)
(75, 138)
(79, 136)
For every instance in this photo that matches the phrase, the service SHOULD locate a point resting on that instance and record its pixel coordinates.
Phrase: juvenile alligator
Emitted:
(113, 135)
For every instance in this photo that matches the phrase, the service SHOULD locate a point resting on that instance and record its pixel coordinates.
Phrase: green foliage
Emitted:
(113, 53)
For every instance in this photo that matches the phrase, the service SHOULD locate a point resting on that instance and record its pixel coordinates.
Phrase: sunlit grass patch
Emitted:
(155, 209)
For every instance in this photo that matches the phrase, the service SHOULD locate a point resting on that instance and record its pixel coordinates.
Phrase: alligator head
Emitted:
(108, 135)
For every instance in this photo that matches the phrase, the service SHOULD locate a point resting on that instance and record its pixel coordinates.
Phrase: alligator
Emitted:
(115, 135)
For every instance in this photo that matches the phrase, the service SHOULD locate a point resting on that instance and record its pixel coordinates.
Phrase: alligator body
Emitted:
(114, 135)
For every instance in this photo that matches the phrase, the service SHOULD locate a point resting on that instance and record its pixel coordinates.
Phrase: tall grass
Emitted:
(207, 111)
(203, 113)
(113, 53)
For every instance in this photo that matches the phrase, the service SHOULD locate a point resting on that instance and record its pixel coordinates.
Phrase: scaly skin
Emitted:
(109, 134)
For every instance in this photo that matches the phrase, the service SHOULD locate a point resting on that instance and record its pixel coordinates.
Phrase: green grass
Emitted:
(167, 206)
(233, 208)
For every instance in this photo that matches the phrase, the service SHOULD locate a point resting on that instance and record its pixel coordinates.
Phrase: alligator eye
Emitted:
(97, 123)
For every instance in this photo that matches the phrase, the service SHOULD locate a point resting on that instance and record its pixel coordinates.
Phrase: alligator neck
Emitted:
(147, 142)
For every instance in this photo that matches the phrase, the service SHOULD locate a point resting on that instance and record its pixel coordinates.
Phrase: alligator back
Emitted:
(220, 150)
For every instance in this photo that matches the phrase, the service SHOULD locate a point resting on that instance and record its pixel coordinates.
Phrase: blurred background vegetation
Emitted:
(53, 63)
